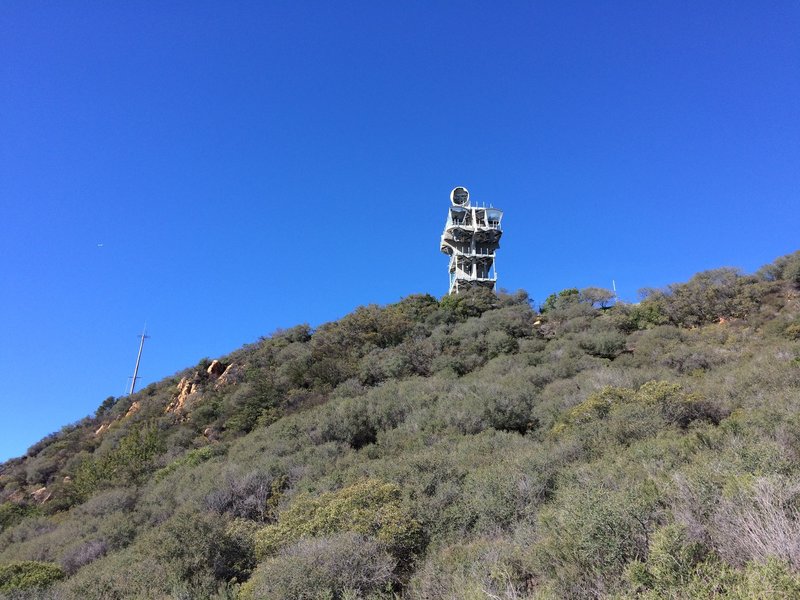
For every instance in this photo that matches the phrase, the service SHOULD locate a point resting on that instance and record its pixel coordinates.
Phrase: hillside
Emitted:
(463, 448)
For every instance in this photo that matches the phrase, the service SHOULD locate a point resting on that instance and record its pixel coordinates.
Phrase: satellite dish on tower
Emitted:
(460, 196)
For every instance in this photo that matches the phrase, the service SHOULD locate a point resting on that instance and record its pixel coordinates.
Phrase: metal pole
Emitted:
(138, 359)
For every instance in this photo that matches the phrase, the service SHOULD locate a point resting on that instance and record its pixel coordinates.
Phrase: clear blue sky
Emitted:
(223, 169)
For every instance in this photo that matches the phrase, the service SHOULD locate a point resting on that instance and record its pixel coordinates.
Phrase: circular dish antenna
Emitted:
(460, 196)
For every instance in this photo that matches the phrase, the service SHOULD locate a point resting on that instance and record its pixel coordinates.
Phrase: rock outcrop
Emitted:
(216, 368)
(232, 375)
(133, 409)
(41, 495)
(188, 389)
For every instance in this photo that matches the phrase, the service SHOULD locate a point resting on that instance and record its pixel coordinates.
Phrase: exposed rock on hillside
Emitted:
(135, 407)
(188, 389)
(232, 375)
(215, 369)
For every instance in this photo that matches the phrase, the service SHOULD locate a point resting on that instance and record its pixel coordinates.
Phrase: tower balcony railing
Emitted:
(469, 225)
(465, 277)
(476, 252)
(457, 260)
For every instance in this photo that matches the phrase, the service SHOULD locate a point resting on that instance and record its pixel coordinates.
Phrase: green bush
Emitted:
(675, 405)
(190, 555)
(191, 459)
(344, 565)
(128, 463)
(708, 297)
(372, 508)
(471, 407)
(785, 267)
(590, 534)
(28, 574)
(713, 578)
(470, 303)
(12, 513)
(602, 343)
(561, 300)
(671, 563)
(490, 567)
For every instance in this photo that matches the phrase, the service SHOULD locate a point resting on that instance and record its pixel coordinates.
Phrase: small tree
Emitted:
(561, 300)
(597, 297)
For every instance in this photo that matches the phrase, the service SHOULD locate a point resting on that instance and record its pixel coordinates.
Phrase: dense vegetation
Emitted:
(472, 447)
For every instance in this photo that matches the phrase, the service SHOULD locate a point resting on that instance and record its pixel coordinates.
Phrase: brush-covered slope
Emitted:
(465, 448)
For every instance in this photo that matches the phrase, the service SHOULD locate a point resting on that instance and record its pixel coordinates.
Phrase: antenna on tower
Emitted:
(142, 337)
(614, 287)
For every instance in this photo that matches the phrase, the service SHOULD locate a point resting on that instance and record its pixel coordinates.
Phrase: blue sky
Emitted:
(219, 170)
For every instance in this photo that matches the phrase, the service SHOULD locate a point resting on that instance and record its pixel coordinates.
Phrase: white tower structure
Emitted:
(471, 238)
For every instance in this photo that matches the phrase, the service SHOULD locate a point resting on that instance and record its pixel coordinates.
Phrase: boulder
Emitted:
(215, 369)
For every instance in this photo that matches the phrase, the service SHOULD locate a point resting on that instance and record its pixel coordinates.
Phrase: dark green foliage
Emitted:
(593, 532)
(28, 574)
(370, 508)
(126, 464)
(464, 448)
(785, 268)
(194, 546)
(471, 303)
(707, 297)
(12, 513)
(106, 406)
(561, 300)
(672, 562)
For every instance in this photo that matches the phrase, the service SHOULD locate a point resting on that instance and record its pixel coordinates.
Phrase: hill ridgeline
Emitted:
(470, 447)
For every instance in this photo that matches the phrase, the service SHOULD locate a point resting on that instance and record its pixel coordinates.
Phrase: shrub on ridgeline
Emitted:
(470, 303)
(785, 268)
(707, 297)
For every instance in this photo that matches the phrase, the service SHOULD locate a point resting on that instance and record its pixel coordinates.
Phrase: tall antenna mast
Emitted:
(142, 337)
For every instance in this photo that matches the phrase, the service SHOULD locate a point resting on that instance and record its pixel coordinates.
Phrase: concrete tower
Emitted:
(471, 237)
